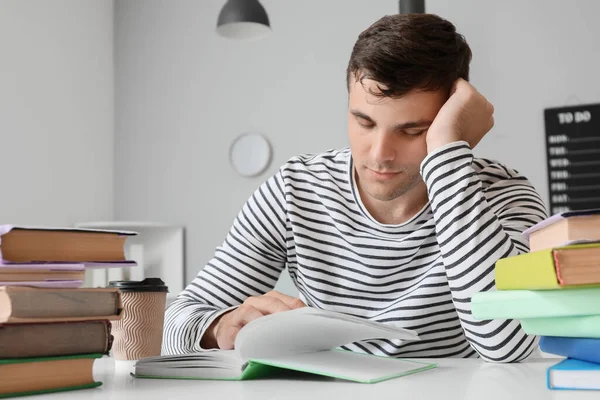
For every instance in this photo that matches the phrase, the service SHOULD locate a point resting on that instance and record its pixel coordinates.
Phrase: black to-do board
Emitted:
(573, 157)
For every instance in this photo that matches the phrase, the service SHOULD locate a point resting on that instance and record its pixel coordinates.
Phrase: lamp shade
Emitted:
(243, 19)
(412, 6)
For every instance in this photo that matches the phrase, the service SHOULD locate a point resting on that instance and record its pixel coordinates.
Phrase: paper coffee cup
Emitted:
(139, 331)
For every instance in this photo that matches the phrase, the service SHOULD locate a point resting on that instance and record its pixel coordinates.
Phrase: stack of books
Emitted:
(554, 290)
(52, 329)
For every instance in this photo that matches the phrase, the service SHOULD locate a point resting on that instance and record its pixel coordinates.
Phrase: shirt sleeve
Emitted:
(248, 263)
(480, 212)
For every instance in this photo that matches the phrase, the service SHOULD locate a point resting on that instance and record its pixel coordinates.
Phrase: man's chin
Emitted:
(386, 195)
(386, 191)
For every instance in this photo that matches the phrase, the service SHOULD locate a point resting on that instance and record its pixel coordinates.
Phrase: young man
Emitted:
(402, 227)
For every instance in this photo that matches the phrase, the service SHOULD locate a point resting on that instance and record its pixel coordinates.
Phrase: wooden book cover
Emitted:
(45, 375)
(29, 304)
(38, 244)
(54, 339)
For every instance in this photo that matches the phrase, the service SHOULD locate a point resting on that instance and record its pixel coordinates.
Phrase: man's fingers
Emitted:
(291, 302)
(255, 307)
(226, 337)
(229, 327)
(246, 313)
(267, 304)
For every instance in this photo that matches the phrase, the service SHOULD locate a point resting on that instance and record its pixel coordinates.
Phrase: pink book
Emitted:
(559, 217)
(76, 266)
(46, 284)
(43, 266)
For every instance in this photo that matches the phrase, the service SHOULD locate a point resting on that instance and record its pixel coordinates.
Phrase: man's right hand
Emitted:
(223, 331)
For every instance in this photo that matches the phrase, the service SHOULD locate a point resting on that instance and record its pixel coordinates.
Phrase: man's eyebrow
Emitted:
(422, 123)
(360, 114)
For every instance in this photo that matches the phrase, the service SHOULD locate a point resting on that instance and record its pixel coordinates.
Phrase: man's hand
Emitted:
(466, 115)
(223, 331)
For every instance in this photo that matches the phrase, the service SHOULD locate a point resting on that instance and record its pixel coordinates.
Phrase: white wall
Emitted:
(56, 111)
(527, 56)
(183, 93)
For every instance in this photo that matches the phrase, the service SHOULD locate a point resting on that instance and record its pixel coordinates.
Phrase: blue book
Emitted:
(571, 374)
(578, 348)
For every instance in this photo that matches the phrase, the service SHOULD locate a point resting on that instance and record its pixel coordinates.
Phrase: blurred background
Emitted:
(126, 110)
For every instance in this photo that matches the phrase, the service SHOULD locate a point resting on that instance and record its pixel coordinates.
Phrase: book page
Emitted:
(210, 364)
(347, 365)
(307, 330)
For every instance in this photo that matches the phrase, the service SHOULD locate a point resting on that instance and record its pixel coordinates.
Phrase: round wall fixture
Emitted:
(250, 154)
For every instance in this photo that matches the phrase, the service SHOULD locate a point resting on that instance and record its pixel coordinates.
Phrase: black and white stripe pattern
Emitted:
(419, 275)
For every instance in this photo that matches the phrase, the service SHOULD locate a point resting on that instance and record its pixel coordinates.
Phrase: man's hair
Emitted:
(403, 52)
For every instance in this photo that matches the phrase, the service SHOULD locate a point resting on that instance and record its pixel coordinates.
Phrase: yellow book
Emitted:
(566, 266)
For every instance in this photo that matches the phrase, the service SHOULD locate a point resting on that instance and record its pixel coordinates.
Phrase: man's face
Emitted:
(387, 138)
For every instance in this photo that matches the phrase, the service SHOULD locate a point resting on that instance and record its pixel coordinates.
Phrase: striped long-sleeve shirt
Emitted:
(420, 275)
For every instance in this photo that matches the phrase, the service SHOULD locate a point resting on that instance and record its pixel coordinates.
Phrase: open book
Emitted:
(303, 339)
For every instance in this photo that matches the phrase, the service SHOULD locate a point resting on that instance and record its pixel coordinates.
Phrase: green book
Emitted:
(302, 340)
(519, 304)
(28, 376)
(578, 327)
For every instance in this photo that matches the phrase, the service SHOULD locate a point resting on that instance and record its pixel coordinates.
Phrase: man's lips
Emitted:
(382, 175)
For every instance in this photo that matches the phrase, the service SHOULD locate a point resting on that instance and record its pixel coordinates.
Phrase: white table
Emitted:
(460, 379)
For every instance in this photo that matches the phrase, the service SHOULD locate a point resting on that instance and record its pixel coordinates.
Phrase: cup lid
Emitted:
(147, 285)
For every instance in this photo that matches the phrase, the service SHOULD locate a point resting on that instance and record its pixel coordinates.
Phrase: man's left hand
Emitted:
(466, 115)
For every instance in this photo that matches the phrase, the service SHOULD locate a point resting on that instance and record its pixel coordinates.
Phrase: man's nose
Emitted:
(383, 149)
